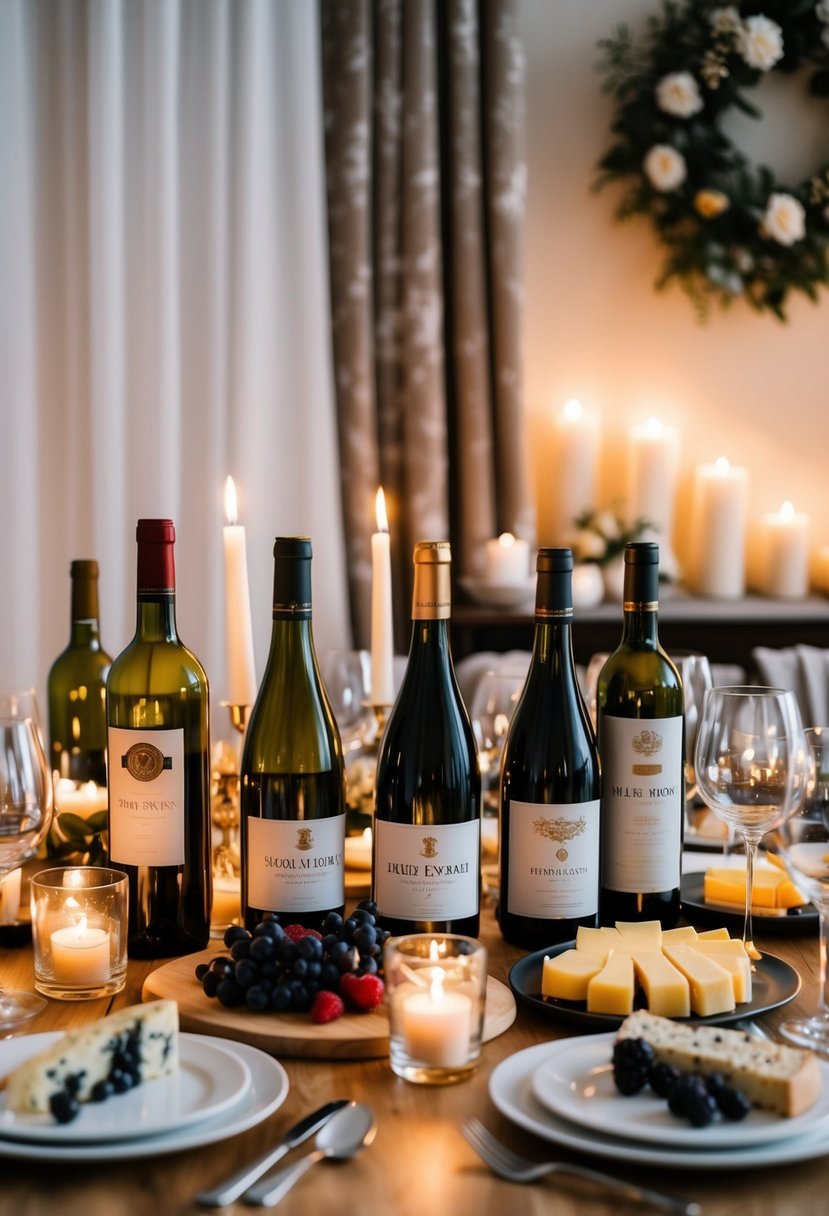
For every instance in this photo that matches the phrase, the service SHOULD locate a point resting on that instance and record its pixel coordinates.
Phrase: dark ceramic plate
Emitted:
(692, 895)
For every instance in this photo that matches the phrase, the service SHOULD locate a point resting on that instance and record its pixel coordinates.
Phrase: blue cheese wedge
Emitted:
(141, 1041)
(771, 1075)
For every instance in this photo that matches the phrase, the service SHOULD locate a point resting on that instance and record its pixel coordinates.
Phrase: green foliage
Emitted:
(712, 221)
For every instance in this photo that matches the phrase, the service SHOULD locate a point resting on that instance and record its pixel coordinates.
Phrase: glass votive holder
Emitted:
(79, 931)
(436, 992)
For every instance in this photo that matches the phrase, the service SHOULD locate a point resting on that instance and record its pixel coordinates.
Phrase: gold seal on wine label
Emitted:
(144, 761)
(304, 839)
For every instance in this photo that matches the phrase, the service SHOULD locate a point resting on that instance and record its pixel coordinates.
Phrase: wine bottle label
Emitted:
(642, 803)
(146, 797)
(553, 859)
(427, 872)
(296, 865)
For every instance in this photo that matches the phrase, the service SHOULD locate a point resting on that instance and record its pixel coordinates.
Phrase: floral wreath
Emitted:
(730, 229)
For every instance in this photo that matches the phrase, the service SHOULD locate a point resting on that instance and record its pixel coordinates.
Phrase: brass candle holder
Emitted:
(225, 816)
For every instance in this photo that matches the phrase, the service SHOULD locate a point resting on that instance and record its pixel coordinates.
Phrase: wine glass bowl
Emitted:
(492, 706)
(752, 766)
(802, 842)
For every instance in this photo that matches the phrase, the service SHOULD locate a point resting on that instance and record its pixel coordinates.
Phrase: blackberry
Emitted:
(691, 1099)
(64, 1106)
(732, 1102)
(633, 1060)
(662, 1078)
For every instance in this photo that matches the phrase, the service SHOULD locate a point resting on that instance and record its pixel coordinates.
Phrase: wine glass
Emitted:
(802, 841)
(751, 767)
(493, 704)
(26, 803)
(346, 675)
(591, 684)
(695, 672)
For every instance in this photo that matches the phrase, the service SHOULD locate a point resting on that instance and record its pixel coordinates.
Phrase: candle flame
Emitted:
(80, 926)
(506, 540)
(231, 506)
(787, 510)
(573, 410)
(73, 878)
(653, 428)
(436, 993)
(721, 464)
(434, 950)
(380, 511)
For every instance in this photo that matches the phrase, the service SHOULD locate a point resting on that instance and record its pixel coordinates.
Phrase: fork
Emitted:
(507, 1164)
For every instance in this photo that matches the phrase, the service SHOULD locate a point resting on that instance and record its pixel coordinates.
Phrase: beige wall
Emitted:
(743, 385)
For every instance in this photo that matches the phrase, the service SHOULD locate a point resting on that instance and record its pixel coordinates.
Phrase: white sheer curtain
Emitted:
(163, 311)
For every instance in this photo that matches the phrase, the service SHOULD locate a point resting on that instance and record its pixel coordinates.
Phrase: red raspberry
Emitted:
(326, 1007)
(362, 992)
(295, 932)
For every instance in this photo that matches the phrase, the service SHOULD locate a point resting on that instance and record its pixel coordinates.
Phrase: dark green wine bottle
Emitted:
(159, 766)
(549, 804)
(642, 745)
(427, 860)
(76, 688)
(293, 772)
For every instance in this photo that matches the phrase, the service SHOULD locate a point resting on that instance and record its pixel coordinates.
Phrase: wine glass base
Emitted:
(807, 1032)
(17, 1007)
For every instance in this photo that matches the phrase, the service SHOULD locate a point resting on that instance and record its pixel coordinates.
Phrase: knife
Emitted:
(230, 1190)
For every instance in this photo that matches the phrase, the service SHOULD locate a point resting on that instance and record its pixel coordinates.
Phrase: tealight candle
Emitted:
(436, 1025)
(506, 560)
(784, 545)
(83, 800)
(80, 955)
(227, 900)
(718, 528)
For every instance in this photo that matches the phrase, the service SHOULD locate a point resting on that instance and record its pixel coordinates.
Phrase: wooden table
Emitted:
(419, 1163)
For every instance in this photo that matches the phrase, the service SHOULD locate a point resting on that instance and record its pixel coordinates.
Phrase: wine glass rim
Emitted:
(750, 690)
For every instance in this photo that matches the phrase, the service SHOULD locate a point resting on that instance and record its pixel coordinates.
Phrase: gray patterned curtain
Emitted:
(426, 185)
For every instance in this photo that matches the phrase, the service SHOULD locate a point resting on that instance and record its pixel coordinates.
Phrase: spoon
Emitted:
(350, 1130)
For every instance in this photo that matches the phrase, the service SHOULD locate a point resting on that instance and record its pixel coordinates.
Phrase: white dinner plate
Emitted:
(267, 1091)
(510, 1087)
(576, 1082)
(209, 1080)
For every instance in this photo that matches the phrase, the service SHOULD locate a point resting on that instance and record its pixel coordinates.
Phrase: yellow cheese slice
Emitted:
(666, 989)
(646, 932)
(732, 957)
(611, 990)
(682, 933)
(713, 935)
(597, 941)
(712, 989)
(567, 975)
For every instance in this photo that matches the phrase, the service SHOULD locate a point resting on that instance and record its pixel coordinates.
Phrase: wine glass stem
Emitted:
(823, 989)
(751, 844)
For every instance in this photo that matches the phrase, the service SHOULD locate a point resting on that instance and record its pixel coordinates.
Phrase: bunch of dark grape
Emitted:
(691, 1096)
(283, 968)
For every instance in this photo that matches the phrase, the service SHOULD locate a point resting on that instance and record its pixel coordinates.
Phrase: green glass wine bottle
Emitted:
(76, 688)
(293, 773)
(159, 766)
(549, 804)
(426, 866)
(641, 743)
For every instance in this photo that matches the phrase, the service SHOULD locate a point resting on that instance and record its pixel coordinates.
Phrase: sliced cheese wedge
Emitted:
(611, 990)
(712, 989)
(732, 957)
(566, 976)
(666, 989)
(597, 941)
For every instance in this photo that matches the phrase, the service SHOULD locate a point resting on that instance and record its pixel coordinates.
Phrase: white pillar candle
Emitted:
(241, 670)
(718, 530)
(436, 1025)
(567, 483)
(83, 800)
(784, 542)
(80, 955)
(653, 454)
(9, 897)
(227, 905)
(506, 560)
(382, 627)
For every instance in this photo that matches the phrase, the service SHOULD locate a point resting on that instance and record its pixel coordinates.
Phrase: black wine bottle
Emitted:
(159, 766)
(293, 773)
(549, 800)
(77, 688)
(641, 744)
(426, 859)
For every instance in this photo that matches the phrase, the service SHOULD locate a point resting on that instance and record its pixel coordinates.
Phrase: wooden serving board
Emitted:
(354, 1036)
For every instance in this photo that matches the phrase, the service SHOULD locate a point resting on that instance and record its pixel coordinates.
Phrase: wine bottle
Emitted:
(293, 772)
(549, 800)
(641, 744)
(159, 766)
(76, 687)
(426, 860)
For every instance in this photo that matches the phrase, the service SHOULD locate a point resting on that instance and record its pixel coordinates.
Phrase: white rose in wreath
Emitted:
(784, 220)
(678, 94)
(725, 20)
(665, 167)
(760, 42)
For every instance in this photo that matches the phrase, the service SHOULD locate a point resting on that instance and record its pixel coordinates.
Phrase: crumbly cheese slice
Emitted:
(666, 989)
(150, 1031)
(771, 1075)
(712, 989)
